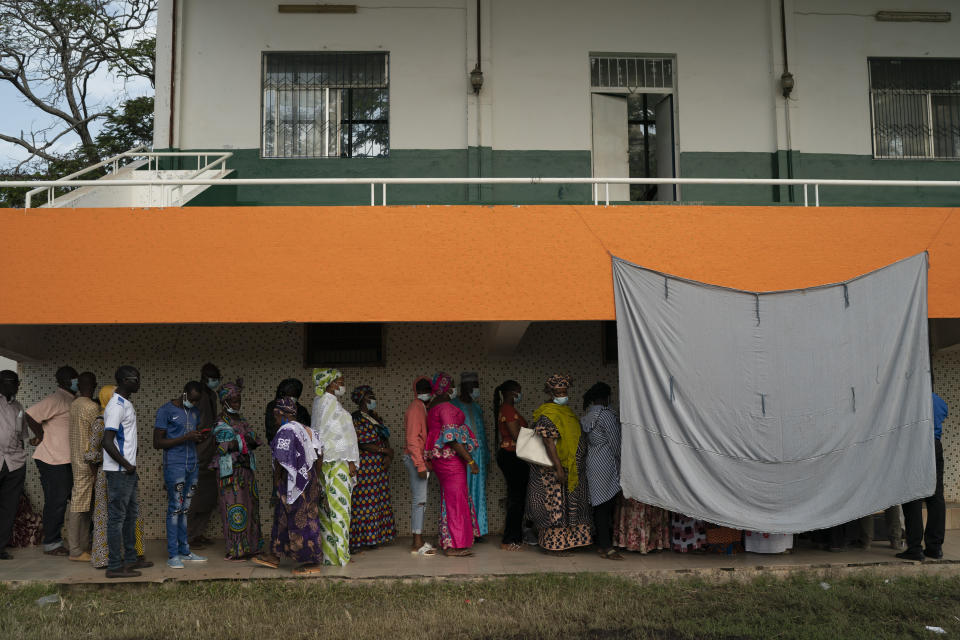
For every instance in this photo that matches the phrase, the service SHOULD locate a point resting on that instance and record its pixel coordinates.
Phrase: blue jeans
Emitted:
(122, 509)
(418, 490)
(181, 484)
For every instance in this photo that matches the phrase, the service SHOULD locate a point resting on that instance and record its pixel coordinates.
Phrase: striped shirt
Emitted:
(602, 427)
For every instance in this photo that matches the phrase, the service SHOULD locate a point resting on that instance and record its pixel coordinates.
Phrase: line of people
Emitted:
(330, 469)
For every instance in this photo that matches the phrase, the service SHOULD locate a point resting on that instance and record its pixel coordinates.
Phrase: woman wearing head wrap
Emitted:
(297, 457)
(466, 401)
(450, 444)
(371, 515)
(334, 428)
(235, 464)
(94, 456)
(557, 499)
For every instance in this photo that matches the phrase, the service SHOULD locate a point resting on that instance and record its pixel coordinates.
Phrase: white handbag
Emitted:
(530, 448)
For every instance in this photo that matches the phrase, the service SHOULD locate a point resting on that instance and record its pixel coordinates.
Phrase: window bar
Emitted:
(931, 153)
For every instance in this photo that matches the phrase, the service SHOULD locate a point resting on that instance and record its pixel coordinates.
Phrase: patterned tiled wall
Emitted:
(946, 382)
(169, 355)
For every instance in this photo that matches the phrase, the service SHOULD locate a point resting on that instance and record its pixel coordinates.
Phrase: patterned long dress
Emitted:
(640, 527)
(477, 482)
(94, 455)
(688, 534)
(563, 519)
(458, 517)
(239, 497)
(296, 527)
(371, 515)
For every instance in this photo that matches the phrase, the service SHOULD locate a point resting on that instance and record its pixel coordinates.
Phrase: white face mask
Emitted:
(453, 392)
(424, 396)
(340, 391)
(562, 401)
(231, 409)
(371, 405)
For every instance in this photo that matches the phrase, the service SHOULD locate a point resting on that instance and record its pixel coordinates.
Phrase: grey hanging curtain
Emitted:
(780, 412)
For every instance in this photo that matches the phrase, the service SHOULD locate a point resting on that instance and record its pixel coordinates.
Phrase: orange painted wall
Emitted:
(434, 263)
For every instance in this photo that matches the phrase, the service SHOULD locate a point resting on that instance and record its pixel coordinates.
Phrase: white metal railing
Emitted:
(152, 164)
(816, 183)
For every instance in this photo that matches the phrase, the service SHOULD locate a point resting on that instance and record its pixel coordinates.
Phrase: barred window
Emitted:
(915, 108)
(320, 105)
(630, 71)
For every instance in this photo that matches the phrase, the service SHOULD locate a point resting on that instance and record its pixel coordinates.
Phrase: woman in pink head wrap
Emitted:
(449, 446)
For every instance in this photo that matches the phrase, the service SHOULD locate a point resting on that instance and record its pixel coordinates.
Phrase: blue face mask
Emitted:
(371, 405)
(517, 397)
(186, 403)
(475, 393)
(213, 383)
(75, 385)
(562, 401)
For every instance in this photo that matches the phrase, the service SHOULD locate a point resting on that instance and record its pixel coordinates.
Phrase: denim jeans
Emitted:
(122, 509)
(181, 484)
(418, 489)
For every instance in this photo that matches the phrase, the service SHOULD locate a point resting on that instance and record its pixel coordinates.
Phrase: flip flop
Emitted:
(513, 546)
(263, 562)
(611, 554)
(307, 570)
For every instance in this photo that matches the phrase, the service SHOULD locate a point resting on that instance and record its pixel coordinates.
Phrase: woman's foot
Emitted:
(479, 540)
(458, 553)
(558, 554)
(307, 569)
(237, 559)
(511, 546)
(610, 554)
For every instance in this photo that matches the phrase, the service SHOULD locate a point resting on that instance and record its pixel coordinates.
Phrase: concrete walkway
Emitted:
(395, 561)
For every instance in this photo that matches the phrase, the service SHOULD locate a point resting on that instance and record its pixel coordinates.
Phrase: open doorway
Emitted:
(633, 124)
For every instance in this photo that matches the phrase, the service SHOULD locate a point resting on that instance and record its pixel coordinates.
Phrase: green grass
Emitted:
(540, 606)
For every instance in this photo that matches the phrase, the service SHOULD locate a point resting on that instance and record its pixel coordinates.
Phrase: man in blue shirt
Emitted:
(936, 508)
(175, 432)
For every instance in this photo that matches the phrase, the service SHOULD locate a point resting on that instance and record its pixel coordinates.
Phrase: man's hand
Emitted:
(195, 436)
(422, 474)
(129, 469)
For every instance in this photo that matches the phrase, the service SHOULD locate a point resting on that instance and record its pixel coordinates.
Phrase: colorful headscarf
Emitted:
(357, 394)
(287, 405)
(106, 392)
(442, 382)
(230, 390)
(322, 379)
(559, 381)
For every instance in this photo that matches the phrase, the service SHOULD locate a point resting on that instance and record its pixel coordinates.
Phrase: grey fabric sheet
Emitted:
(780, 412)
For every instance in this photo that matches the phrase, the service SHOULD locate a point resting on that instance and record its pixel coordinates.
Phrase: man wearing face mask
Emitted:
(415, 427)
(477, 482)
(13, 457)
(50, 421)
(204, 501)
(175, 432)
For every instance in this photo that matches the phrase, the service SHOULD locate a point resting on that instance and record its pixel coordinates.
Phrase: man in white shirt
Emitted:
(13, 470)
(120, 465)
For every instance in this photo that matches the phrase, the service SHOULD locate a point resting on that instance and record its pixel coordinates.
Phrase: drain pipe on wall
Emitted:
(173, 72)
(787, 84)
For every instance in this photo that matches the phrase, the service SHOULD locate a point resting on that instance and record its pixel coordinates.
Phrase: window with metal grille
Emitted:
(915, 108)
(630, 72)
(325, 105)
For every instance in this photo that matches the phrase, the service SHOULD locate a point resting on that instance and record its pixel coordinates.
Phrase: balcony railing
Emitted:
(600, 186)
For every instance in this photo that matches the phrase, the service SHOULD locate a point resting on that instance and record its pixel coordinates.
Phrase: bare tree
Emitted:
(51, 49)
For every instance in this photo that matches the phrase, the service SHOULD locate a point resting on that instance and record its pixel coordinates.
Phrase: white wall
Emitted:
(831, 113)
(536, 93)
(221, 66)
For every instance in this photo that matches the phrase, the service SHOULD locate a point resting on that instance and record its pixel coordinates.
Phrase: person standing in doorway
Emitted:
(83, 411)
(13, 457)
(175, 433)
(204, 501)
(50, 421)
(476, 482)
(931, 536)
(415, 427)
(120, 466)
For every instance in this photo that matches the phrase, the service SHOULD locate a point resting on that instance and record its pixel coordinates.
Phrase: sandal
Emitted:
(458, 553)
(270, 563)
(307, 569)
(426, 550)
(512, 546)
(558, 554)
(611, 554)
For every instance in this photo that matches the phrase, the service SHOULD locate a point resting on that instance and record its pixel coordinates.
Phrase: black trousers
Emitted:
(603, 522)
(57, 483)
(516, 472)
(932, 537)
(11, 486)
